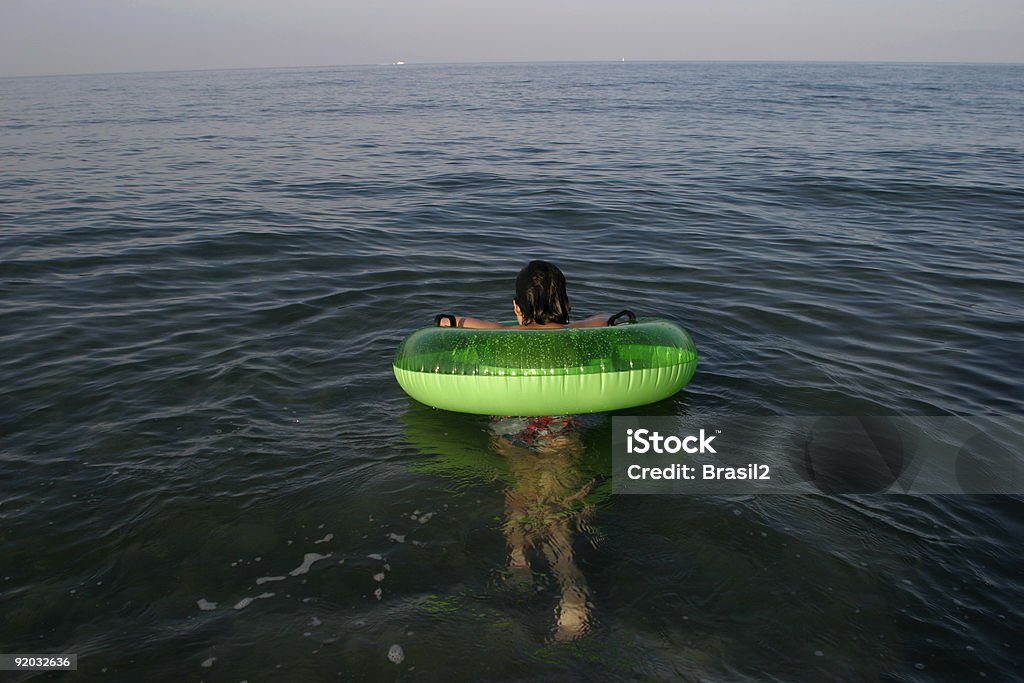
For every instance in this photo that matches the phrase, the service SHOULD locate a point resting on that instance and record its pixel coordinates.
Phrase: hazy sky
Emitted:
(82, 36)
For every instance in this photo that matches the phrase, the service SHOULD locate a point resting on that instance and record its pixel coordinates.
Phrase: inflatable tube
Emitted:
(545, 372)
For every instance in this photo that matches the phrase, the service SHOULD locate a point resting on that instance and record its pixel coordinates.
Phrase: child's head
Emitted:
(540, 295)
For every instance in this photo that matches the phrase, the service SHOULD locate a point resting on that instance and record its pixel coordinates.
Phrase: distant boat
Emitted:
(399, 63)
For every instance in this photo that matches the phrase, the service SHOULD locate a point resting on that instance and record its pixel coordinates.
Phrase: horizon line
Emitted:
(518, 61)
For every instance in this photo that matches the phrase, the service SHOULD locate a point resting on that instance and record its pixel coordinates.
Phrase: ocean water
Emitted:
(207, 470)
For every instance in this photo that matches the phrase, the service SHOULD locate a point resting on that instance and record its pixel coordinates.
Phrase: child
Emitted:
(544, 507)
(545, 504)
(540, 302)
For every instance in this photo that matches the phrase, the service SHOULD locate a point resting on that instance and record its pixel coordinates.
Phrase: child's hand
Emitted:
(445, 320)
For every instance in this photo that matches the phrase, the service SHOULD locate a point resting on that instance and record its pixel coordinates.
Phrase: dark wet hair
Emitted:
(540, 294)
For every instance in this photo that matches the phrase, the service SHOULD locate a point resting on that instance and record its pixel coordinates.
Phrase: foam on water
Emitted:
(307, 562)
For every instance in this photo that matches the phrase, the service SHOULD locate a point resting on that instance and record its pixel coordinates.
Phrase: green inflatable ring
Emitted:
(545, 372)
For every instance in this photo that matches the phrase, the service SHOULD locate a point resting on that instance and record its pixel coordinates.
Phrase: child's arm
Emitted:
(444, 321)
(592, 321)
(472, 323)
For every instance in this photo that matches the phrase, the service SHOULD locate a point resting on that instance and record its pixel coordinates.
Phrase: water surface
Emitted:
(204, 276)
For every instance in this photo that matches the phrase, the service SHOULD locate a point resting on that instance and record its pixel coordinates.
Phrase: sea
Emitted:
(209, 473)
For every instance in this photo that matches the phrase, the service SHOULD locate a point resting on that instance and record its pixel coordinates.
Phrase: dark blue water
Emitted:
(204, 276)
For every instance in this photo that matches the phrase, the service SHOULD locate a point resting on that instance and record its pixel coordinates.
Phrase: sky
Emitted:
(41, 37)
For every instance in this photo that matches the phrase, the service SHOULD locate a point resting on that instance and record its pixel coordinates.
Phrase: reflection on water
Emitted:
(544, 505)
